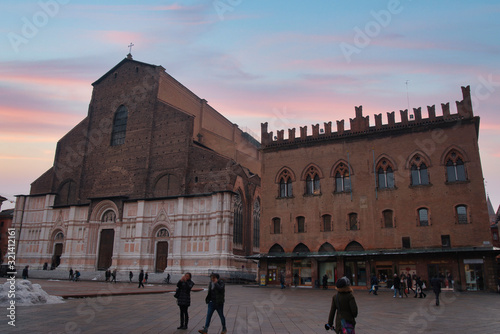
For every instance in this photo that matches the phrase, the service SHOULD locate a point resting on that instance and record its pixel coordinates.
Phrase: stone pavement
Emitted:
(249, 310)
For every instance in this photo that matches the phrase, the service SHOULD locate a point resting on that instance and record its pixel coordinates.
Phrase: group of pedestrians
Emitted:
(74, 275)
(215, 300)
(402, 285)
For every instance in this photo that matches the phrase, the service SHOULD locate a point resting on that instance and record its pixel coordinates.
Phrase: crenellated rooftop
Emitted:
(361, 124)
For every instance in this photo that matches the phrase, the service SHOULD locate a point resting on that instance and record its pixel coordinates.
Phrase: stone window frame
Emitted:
(416, 170)
(455, 167)
(312, 176)
(421, 222)
(342, 173)
(285, 181)
(385, 172)
(462, 218)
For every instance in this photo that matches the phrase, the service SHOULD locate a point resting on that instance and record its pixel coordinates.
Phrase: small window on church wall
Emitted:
(59, 236)
(119, 126)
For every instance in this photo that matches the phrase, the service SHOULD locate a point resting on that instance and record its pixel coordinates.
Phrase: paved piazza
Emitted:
(248, 310)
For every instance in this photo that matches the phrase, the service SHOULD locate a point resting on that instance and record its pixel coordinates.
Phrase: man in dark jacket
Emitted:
(436, 287)
(215, 301)
(141, 278)
(344, 304)
(397, 286)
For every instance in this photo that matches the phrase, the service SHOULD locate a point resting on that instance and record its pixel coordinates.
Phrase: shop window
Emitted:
(353, 222)
(301, 224)
(406, 242)
(326, 223)
(423, 217)
(276, 226)
(461, 212)
(388, 218)
(445, 241)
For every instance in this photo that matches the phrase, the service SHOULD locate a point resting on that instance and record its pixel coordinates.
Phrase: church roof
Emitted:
(125, 60)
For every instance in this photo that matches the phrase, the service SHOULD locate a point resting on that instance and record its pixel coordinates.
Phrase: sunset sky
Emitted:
(289, 63)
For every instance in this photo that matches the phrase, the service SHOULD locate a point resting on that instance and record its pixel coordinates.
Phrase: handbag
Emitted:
(392, 287)
(347, 327)
(423, 286)
(177, 292)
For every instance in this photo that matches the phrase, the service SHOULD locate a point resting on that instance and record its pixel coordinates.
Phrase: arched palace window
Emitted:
(419, 174)
(455, 168)
(385, 172)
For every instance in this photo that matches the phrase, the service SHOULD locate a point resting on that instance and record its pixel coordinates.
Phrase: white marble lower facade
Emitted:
(171, 235)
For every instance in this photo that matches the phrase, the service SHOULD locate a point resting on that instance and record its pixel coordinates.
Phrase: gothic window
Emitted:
(256, 224)
(455, 168)
(119, 126)
(276, 225)
(388, 218)
(461, 212)
(162, 233)
(354, 246)
(312, 181)
(301, 224)
(419, 174)
(108, 217)
(423, 217)
(285, 184)
(238, 220)
(342, 178)
(385, 175)
(353, 221)
(326, 248)
(276, 249)
(326, 223)
(301, 248)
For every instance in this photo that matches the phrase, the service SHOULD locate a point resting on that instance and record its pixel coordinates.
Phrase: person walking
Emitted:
(403, 288)
(184, 287)
(25, 272)
(141, 278)
(344, 306)
(282, 280)
(107, 275)
(146, 278)
(436, 287)
(130, 276)
(420, 288)
(77, 276)
(215, 301)
(374, 285)
(409, 283)
(396, 284)
(113, 276)
(71, 274)
(325, 282)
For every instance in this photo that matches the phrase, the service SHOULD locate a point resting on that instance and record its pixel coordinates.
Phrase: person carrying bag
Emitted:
(344, 304)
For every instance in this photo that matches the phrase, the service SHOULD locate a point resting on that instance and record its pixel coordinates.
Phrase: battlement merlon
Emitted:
(361, 123)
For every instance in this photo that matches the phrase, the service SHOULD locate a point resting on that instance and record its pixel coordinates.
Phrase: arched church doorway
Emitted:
(56, 258)
(161, 256)
(106, 249)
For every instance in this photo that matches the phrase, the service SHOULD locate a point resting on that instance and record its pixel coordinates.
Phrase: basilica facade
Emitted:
(153, 178)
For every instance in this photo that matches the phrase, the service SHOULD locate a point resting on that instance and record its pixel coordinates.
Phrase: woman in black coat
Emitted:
(184, 287)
